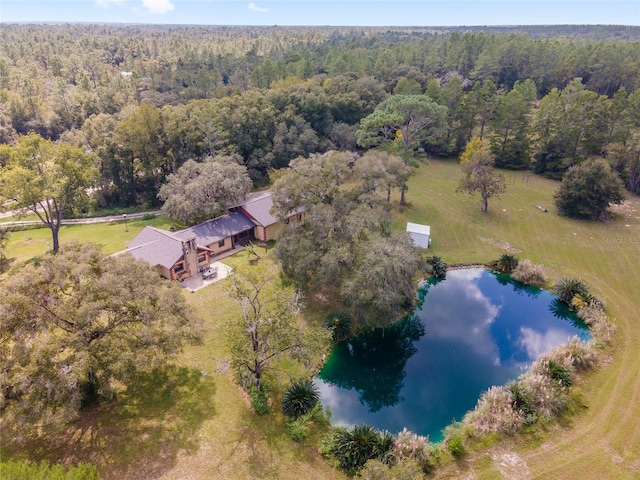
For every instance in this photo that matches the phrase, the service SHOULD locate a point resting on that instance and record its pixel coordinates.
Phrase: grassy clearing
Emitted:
(111, 237)
(203, 428)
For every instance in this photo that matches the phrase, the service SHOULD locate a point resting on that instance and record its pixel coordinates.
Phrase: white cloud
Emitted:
(255, 8)
(537, 343)
(158, 6)
(107, 3)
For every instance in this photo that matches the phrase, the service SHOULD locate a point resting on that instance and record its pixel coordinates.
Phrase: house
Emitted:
(221, 233)
(172, 256)
(257, 208)
(183, 254)
(420, 234)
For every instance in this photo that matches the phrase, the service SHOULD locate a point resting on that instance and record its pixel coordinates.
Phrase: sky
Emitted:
(325, 12)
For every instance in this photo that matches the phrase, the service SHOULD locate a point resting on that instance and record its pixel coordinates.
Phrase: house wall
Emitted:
(227, 245)
(179, 270)
(163, 271)
(274, 229)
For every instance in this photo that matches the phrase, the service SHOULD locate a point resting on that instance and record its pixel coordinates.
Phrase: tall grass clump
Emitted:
(529, 273)
(495, 413)
(416, 448)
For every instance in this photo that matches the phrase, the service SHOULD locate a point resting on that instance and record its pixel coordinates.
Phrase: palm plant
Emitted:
(340, 325)
(300, 398)
(506, 263)
(567, 288)
(352, 448)
(438, 267)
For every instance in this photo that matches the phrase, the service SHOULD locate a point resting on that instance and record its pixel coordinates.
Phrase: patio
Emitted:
(197, 282)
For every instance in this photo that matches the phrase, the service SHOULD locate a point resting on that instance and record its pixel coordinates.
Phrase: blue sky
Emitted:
(326, 12)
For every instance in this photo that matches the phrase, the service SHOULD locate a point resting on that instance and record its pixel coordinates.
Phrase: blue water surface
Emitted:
(472, 330)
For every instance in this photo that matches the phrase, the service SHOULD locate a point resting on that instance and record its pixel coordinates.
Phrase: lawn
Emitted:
(192, 421)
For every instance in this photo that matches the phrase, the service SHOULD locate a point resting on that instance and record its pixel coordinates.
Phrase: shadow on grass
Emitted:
(143, 431)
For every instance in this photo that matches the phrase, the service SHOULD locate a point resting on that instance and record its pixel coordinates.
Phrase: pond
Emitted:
(472, 330)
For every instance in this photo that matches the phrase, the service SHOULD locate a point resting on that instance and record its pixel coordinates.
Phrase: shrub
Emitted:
(438, 267)
(529, 273)
(339, 323)
(456, 446)
(494, 413)
(148, 216)
(409, 446)
(298, 428)
(547, 397)
(507, 263)
(352, 448)
(404, 470)
(22, 470)
(600, 327)
(522, 402)
(567, 288)
(300, 398)
(575, 354)
(259, 400)
(560, 374)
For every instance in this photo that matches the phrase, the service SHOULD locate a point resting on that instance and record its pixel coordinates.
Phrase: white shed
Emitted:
(420, 234)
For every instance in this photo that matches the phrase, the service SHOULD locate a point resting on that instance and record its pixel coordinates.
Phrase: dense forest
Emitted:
(145, 99)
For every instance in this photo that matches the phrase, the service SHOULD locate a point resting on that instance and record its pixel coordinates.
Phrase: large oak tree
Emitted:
(48, 179)
(77, 327)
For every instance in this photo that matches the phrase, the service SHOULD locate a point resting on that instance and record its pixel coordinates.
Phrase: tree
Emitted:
(199, 191)
(587, 189)
(269, 325)
(76, 327)
(411, 119)
(4, 239)
(50, 180)
(480, 176)
(345, 246)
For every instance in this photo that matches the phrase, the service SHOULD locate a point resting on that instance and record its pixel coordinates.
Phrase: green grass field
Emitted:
(194, 422)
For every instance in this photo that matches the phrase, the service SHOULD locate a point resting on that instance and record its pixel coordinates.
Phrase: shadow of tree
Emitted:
(151, 422)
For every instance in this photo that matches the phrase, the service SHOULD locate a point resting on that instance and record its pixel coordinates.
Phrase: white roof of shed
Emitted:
(418, 228)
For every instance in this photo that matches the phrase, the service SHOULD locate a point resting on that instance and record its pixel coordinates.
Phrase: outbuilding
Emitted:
(420, 234)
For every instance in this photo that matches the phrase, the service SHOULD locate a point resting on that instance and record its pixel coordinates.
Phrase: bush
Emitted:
(573, 355)
(259, 400)
(22, 470)
(456, 446)
(560, 374)
(601, 330)
(404, 470)
(495, 413)
(339, 323)
(300, 398)
(567, 288)
(352, 448)
(298, 428)
(409, 446)
(438, 267)
(507, 263)
(148, 216)
(548, 399)
(529, 273)
(522, 403)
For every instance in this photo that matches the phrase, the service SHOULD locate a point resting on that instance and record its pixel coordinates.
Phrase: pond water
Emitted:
(473, 330)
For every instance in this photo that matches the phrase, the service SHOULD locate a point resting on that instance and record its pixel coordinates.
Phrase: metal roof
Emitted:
(156, 247)
(217, 229)
(420, 234)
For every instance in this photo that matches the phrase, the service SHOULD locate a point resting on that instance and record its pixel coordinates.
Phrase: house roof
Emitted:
(156, 247)
(419, 234)
(258, 206)
(217, 229)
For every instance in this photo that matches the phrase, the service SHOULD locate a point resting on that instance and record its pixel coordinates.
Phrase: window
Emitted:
(299, 218)
(286, 221)
(202, 258)
(221, 243)
(179, 267)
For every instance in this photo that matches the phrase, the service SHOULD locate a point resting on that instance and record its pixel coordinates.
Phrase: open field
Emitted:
(193, 422)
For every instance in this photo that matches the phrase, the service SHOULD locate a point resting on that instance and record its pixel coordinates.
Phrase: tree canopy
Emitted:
(269, 326)
(50, 180)
(587, 189)
(79, 326)
(200, 191)
(478, 174)
(345, 246)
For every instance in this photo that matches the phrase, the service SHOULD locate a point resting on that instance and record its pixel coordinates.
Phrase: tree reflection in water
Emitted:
(374, 364)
